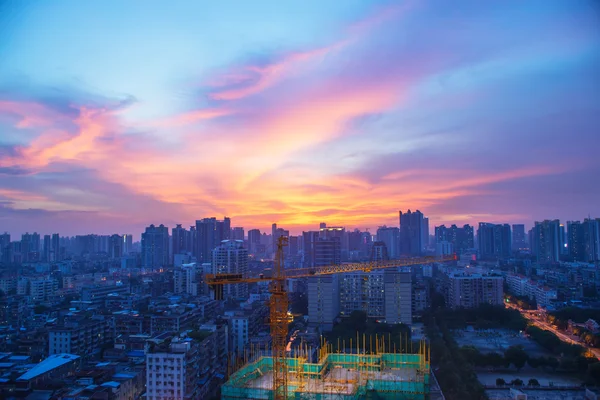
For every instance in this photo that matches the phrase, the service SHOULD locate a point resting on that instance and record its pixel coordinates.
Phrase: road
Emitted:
(536, 318)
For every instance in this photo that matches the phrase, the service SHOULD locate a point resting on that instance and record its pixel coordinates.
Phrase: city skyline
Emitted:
(294, 114)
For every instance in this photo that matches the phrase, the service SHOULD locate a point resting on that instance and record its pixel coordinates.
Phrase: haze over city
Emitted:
(115, 115)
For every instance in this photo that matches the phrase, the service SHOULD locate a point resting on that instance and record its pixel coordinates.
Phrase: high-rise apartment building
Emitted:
(591, 238)
(231, 257)
(575, 240)
(461, 239)
(56, 250)
(547, 241)
(172, 371)
(327, 251)
(308, 247)
(47, 249)
(155, 247)
(115, 246)
(390, 236)
(494, 241)
(253, 240)
(470, 291)
(30, 246)
(519, 240)
(188, 279)
(411, 233)
(323, 301)
(397, 286)
(237, 233)
(181, 240)
(425, 234)
(362, 291)
(210, 232)
(4, 245)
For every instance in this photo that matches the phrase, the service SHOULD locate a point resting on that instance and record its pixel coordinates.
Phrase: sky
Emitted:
(118, 114)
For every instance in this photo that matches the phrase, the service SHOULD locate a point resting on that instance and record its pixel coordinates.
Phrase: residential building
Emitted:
(470, 291)
(591, 238)
(97, 294)
(42, 289)
(411, 233)
(398, 295)
(82, 337)
(519, 240)
(172, 372)
(188, 279)
(390, 236)
(547, 241)
(576, 241)
(210, 232)
(180, 238)
(253, 241)
(237, 233)
(231, 257)
(494, 241)
(323, 301)
(155, 247)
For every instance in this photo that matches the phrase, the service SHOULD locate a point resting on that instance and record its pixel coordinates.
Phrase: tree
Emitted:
(533, 382)
(517, 356)
(534, 362)
(552, 362)
(516, 382)
(593, 373)
(500, 382)
(471, 354)
(494, 360)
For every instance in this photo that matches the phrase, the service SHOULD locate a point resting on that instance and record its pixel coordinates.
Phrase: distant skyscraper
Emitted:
(253, 240)
(47, 249)
(327, 251)
(4, 244)
(232, 258)
(591, 237)
(155, 247)
(494, 240)
(237, 233)
(391, 237)
(127, 243)
(308, 247)
(210, 232)
(180, 237)
(379, 252)
(115, 246)
(461, 239)
(56, 250)
(518, 237)
(425, 234)
(411, 233)
(576, 241)
(562, 241)
(547, 241)
(30, 246)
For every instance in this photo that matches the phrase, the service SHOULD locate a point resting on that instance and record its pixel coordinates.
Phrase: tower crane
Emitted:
(279, 316)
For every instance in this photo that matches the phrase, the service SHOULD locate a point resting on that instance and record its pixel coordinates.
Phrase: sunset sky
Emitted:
(118, 114)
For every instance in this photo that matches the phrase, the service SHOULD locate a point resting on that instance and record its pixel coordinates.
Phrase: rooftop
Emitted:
(50, 363)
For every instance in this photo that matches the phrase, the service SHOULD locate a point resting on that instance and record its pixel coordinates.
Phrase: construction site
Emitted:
(347, 374)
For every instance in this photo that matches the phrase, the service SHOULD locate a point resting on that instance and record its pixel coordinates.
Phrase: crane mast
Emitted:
(279, 321)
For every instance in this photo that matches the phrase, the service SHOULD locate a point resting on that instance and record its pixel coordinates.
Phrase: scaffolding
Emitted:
(348, 373)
